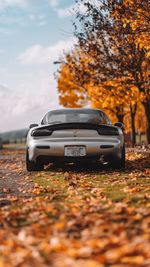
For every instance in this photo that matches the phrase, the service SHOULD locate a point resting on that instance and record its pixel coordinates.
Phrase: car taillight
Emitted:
(40, 133)
(108, 131)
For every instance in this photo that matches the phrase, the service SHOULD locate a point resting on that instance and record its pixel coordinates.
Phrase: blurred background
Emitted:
(50, 51)
(33, 33)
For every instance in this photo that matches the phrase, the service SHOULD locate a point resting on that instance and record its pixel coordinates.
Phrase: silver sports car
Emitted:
(75, 135)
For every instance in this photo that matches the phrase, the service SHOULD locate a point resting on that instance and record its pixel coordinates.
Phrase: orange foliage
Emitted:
(82, 81)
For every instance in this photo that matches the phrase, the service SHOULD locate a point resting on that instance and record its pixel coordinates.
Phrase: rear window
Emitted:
(76, 116)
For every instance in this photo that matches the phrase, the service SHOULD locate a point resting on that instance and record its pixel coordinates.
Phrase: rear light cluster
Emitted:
(102, 130)
(41, 132)
(108, 131)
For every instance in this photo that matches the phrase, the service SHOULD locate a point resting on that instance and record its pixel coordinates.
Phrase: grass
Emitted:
(13, 146)
(54, 184)
(114, 186)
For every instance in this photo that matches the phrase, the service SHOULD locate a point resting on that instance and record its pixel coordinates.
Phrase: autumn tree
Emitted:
(116, 33)
(76, 88)
(110, 65)
(76, 77)
(71, 91)
(135, 17)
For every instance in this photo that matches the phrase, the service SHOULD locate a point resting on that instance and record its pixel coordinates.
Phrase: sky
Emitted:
(33, 34)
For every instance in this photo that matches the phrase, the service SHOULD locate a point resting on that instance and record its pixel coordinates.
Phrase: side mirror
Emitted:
(120, 125)
(33, 125)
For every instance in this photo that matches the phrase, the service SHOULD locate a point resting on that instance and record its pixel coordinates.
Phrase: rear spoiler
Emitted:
(101, 129)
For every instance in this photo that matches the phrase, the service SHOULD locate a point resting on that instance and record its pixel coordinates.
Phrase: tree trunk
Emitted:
(120, 113)
(133, 113)
(120, 117)
(147, 112)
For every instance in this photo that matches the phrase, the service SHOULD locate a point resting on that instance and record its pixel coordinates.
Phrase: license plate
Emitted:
(75, 151)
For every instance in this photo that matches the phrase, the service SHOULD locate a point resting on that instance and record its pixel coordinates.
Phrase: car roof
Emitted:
(75, 109)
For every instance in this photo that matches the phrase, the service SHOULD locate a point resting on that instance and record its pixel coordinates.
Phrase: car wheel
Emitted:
(119, 164)
(32, 166)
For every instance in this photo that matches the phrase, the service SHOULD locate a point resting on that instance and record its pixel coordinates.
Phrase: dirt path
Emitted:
(14, 179)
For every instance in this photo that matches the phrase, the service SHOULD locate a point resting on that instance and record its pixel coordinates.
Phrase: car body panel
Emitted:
(74, 135)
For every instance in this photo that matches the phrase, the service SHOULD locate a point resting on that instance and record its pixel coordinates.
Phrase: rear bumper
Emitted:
(54, 151)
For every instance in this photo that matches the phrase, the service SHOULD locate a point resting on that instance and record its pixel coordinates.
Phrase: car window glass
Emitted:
(44, 121)
(77, 117)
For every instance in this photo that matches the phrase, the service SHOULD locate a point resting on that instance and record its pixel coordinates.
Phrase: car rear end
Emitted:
(74, 142)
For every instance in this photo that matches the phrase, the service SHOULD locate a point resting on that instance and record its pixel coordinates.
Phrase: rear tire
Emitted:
(32, 166)
(120, 163)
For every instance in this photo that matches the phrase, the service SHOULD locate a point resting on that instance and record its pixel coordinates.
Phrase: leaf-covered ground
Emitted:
(72, 216)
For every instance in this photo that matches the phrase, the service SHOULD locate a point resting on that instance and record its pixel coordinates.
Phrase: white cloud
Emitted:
(10, 3)
(54, 3)
(38, 54)
(66, 12)
(39, 19)
(71, 10)
(21, 108)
